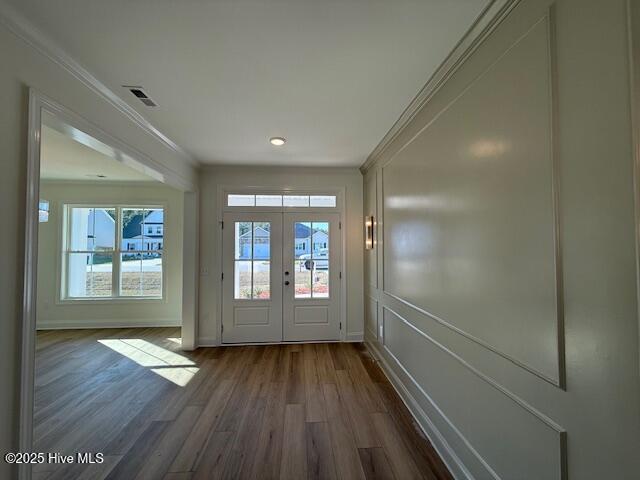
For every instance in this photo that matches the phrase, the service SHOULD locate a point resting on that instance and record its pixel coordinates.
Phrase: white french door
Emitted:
(311, 257)
(252, 277)
(281, 278)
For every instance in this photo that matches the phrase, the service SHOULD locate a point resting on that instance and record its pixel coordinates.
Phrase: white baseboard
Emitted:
(213, 342)
(115, 323)
(354, 337)
(207, 342)
(446, 453)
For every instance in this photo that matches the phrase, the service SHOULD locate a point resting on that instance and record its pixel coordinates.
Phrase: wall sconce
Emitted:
(368, 232)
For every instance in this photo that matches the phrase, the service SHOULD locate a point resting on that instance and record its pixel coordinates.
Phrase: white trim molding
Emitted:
(28, 359)
(207, 342)
(110, 323)
(24, 29)
(445, 451)
(484, 24)
(70, 123)
(38, 104)
(190, 269)
(354, 337)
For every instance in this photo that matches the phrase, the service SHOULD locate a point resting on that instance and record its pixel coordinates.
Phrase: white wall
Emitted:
(292, 178)
(22, 66)
(51, 313)
(518, 355)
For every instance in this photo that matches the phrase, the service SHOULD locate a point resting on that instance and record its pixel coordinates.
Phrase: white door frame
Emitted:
(341, 208)
(133, 158)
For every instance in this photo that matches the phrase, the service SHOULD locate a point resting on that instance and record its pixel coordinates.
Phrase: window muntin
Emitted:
(287, 201)
(252, 261)
(94, 252)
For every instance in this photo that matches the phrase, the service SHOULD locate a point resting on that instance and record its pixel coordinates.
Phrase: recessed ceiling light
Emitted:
(277, 141)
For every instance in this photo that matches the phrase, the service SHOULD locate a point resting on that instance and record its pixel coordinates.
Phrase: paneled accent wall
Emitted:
(500, 293)
(457, 220)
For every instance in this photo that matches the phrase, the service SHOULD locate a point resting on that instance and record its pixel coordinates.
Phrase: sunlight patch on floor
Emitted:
(178, 375)
(170, 365)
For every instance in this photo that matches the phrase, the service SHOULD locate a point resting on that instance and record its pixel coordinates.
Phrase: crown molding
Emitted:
(257, 168)
(102, 183)
(485, 23)
(25, 30)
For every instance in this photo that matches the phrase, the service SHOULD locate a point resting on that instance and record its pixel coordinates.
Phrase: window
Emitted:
(322, 200)
(304, 201)
(241, 200)
(295, 200)
(268, 200)
(102, 263)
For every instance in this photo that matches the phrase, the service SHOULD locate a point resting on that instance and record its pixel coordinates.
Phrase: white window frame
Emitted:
(338, 194)
(115, 297)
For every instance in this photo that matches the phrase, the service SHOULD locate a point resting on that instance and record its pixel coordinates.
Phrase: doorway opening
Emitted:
(106, 262)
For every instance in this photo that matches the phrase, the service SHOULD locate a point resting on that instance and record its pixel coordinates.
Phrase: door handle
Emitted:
(286, 273)
(286, 282)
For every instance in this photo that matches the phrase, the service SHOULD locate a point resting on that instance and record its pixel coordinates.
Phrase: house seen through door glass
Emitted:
(252, 260)
(311, 259)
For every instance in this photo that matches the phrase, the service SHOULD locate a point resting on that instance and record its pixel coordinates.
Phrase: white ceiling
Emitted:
(63, 158)
(332, 76)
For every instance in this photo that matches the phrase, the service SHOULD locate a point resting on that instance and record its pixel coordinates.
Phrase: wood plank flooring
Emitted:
(316, 411)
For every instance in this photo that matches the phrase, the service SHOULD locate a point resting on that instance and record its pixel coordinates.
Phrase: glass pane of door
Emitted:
(252, 258)
(311, 259)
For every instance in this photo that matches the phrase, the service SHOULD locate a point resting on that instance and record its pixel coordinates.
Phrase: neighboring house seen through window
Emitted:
(101, 241)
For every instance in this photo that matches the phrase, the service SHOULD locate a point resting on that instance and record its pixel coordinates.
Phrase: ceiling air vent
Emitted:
(141, 95)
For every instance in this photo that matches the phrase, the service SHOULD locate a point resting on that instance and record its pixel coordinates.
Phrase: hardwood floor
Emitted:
(317, 411)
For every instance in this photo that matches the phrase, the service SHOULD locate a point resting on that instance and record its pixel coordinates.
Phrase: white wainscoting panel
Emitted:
(471, 192)
(531, 445)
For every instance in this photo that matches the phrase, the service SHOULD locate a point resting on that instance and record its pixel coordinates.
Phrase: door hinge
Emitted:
(339, 225)
(340, 275)
(222, 225)
(222, 276)
(222, 329)
(340, 325)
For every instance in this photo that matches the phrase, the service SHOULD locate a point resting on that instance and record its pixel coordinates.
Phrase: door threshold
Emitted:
(288, 342)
